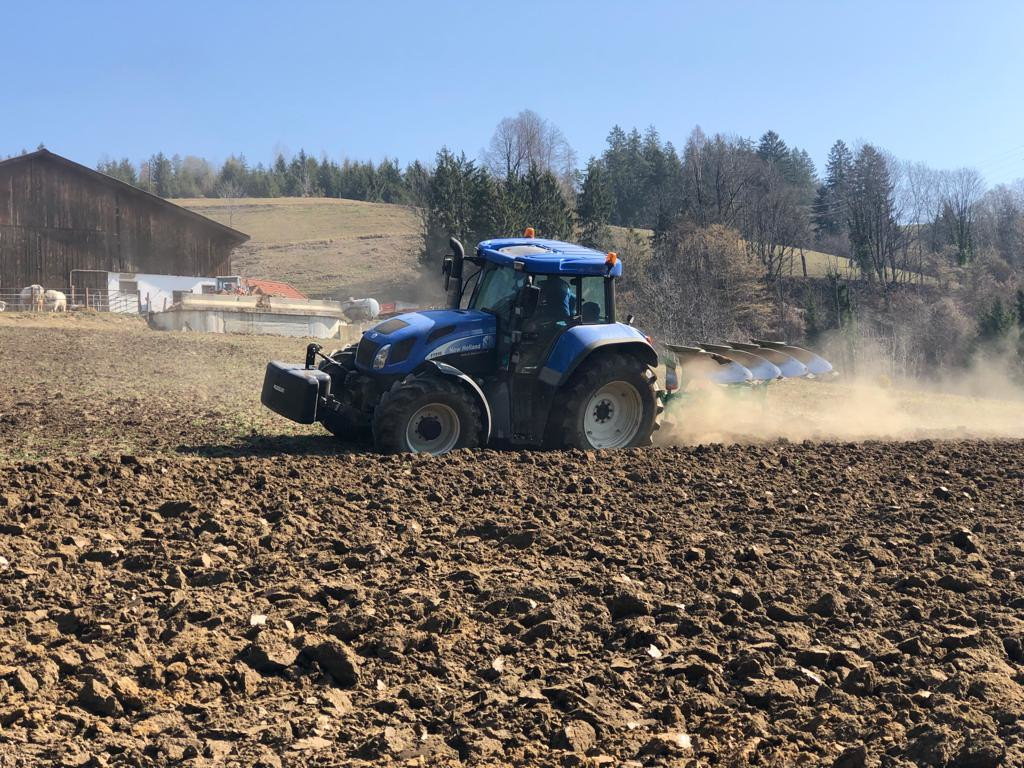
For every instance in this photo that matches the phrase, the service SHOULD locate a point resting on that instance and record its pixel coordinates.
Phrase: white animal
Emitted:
(55, 301)
(3, 306)
(31, 297)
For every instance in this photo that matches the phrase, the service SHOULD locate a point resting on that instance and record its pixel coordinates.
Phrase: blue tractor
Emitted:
(528, 353)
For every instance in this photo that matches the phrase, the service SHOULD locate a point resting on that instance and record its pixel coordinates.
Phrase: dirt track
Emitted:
(835, 604)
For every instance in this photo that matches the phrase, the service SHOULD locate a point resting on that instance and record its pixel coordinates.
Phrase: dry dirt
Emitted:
(83, 382)
(221, 596)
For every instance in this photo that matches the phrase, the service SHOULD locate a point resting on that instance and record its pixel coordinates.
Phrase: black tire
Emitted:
(411, 398)
(567, 428)
(345, 428)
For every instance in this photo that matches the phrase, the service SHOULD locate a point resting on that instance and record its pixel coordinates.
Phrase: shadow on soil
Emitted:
(292, 445)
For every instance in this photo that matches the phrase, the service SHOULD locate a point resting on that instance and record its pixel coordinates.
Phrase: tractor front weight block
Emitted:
(294, 391)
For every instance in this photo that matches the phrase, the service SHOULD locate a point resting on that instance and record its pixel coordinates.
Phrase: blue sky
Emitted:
(940, 82)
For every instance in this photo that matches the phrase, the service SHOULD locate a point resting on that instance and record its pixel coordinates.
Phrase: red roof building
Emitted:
(274, 288)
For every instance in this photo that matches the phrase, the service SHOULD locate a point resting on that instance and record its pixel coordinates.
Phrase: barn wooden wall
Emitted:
(55, 218)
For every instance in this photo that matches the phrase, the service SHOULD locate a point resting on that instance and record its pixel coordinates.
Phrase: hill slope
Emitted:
(328, 247)
(323, 246)
(819, 265)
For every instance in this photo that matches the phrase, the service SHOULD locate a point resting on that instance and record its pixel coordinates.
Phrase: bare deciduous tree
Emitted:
(917, 193)
(775, 223)
(701, 286)
(717, 173)
(961, 192)
(529, 140)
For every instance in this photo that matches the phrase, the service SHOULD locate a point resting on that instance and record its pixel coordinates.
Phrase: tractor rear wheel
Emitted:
(426, 414)
(611, 402)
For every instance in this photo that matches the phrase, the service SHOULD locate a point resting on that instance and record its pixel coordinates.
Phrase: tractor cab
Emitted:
(534, 289)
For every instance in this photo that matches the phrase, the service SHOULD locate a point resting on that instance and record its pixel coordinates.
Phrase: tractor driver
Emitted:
(557, 303)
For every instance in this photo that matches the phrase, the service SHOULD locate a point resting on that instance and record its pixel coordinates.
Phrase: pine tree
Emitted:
(626, 171)
(802, 174)
(874, 229)
(773, 150)
(830, 208)
(280, 174)
(262, 183)
(488, 214)
(594, 207)
(161, 175)
(232, 181)
(450, 205)
(389, 181)
(122, 170)
(327, 178)
(995, 322)
(547, 210)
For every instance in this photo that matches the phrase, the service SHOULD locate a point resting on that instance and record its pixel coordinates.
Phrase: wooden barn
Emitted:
(59, 217)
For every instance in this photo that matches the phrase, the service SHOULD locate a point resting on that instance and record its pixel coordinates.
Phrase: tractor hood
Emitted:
(416, 337)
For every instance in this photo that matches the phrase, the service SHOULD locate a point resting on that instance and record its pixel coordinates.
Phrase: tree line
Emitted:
(896, 220)
(724, 220)
(301, 176)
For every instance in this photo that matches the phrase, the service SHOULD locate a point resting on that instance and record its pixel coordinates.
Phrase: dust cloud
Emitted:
(985, 401)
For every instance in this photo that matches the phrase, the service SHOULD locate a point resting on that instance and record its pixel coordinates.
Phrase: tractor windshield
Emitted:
(497, 290)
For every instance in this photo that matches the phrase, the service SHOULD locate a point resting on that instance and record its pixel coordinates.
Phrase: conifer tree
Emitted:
(594, 207)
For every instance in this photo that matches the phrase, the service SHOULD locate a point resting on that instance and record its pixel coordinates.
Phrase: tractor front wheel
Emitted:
(426, 414)
(612, 402)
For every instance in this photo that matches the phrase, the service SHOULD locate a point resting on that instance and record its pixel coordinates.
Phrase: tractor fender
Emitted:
(444, 369)
(578, 343)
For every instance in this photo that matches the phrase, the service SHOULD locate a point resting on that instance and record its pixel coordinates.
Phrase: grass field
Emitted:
(324, 246)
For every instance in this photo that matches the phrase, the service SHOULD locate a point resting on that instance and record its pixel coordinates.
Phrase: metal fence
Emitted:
(101, 301)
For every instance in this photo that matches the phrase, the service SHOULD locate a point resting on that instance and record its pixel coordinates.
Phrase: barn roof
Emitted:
(275, 288)
(45, 154)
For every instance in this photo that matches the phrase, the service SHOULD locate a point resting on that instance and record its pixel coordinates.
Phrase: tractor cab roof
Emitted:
(549, 257)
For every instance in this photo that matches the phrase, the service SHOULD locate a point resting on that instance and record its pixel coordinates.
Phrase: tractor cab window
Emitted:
(593, 300)
(497, 290)
(558, 299)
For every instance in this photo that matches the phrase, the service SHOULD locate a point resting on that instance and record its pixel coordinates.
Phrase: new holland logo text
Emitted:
(464, 346)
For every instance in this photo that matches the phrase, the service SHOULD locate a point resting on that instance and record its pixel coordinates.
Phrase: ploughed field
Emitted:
(219, 590)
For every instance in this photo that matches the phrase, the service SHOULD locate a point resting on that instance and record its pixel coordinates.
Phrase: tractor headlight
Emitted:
(381, 358)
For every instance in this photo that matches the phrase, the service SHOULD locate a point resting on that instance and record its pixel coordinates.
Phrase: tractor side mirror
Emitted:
(630, 319)
(529, 299)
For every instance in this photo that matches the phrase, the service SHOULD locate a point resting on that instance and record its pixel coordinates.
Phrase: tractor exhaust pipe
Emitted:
(451, 268)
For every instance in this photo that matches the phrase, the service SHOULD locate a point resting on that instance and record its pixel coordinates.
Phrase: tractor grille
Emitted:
(365, 352)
